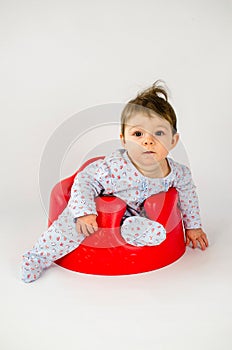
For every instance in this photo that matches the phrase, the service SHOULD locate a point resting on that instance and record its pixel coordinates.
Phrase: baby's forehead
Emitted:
(147, 121)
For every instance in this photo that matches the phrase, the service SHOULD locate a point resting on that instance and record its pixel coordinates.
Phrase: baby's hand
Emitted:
(196, 236)
(87, 224)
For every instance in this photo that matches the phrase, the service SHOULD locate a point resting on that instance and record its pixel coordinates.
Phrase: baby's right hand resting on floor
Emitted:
(87, 224)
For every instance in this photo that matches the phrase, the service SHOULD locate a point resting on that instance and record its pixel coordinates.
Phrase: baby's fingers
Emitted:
(194, 243)
(86, 229)
(187, 241)
(91, 228)
(81, 228)
(95, 226)
(203, 241)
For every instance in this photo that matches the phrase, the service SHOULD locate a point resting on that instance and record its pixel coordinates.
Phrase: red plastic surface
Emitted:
(105, 252)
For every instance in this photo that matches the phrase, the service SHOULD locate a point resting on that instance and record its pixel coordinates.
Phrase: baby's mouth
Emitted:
(149, 152)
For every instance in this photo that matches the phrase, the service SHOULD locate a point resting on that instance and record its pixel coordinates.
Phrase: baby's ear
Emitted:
(122, 140)
(175, 139)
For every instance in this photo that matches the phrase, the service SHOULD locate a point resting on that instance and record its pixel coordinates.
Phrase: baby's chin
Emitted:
(150, 157)
(146, 159)
(148, 154)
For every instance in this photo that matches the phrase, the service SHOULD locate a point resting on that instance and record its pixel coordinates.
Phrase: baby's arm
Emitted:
(87, 185)
(189, 205)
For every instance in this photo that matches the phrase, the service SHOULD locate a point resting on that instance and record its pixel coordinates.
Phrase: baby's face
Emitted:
(148, 140)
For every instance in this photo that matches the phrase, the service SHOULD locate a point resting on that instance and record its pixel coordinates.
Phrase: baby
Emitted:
(134, 173)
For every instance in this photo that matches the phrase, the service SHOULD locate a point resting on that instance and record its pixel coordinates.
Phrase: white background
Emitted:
(61, 57)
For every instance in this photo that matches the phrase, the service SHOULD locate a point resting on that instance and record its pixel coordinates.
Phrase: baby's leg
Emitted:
(60, 239)
(140, 231)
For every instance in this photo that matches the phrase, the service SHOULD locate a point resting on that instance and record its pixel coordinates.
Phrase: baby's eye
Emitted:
(159, 133)
(138, 133)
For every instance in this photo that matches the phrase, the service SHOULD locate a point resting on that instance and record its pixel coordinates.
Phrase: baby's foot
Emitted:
(32, 268)
(30, 276)
(140, 231)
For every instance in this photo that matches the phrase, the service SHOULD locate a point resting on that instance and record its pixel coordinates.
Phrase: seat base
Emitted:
(106, 253)
(126, 259)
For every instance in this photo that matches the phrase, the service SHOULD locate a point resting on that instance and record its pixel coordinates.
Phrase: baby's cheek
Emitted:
(164, 150)
(166, 147)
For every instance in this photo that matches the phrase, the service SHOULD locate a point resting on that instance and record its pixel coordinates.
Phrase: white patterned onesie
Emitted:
(114, 175)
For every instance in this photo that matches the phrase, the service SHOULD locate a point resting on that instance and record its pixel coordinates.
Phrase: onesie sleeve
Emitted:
(188, 199)
(86, 186)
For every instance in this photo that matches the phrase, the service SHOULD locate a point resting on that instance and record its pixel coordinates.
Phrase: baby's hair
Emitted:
(152, 99)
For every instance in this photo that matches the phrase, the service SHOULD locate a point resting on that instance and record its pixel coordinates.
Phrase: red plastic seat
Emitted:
(105, 252)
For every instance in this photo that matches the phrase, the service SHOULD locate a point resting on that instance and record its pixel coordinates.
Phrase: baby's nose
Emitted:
(149, 141)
